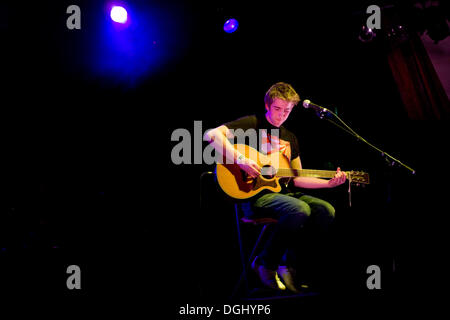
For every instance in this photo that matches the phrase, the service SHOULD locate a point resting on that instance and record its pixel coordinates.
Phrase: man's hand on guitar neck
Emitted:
(249, 166)
(338, 179)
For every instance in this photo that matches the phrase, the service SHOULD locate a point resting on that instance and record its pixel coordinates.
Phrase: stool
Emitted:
(264, 223)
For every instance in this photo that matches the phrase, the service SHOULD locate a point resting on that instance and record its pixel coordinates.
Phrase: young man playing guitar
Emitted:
(292, 210)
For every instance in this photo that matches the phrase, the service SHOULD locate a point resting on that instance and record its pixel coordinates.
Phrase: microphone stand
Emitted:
(323, 112)
(389, 159)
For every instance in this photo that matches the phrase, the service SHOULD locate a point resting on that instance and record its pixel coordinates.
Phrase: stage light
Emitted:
(230, 25)
(119, 14)
(366, 34)
(136, 40)
(398, 34)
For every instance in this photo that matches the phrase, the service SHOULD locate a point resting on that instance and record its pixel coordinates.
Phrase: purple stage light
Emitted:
(119, 14)
(230, 25)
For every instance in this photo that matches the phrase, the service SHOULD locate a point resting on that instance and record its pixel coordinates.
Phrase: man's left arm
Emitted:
(316, 183)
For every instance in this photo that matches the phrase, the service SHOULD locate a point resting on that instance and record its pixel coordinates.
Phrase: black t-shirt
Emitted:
(269, 138)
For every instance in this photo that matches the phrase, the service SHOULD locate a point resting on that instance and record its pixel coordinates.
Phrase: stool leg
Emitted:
(245, 267)
(253, 254)
(243, 276)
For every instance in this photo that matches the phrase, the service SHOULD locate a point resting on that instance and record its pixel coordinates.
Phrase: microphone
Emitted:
(321, 111)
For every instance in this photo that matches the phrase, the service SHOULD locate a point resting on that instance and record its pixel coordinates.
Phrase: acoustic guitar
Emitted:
(237, 184)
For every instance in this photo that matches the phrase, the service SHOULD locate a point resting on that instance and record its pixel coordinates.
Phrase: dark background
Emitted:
(87, 174)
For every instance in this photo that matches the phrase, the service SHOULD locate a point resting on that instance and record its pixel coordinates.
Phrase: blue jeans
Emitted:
(302, 220)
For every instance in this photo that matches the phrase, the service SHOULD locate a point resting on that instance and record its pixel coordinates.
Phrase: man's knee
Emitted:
(280, 205)
(294, 215)
(322, 208)
(301, 207)
(327, 210)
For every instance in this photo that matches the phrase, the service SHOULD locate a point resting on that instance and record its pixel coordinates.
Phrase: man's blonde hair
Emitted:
(283, 91)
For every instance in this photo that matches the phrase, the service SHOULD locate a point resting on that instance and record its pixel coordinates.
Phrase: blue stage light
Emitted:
(230, 25)
(128, 48)
(119, 14)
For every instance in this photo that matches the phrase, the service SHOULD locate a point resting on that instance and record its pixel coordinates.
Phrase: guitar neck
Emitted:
(288, 173)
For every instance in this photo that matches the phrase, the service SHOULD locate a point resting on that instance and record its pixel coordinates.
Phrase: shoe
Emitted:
(288, 276)
(268, 277)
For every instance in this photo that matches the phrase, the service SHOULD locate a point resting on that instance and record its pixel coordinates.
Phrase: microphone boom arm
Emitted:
(350, 131)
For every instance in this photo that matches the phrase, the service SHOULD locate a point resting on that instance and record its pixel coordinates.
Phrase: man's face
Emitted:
(278, 112)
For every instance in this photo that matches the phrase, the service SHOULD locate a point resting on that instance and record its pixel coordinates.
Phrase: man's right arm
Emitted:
(218, 137)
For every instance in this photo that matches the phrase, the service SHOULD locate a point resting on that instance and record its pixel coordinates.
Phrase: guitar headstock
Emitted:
(358, 177)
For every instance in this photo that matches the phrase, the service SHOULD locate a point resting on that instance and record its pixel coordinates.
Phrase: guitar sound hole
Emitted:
(268, 172)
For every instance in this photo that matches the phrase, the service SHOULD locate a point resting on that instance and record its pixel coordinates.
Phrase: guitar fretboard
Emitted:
(288, 172)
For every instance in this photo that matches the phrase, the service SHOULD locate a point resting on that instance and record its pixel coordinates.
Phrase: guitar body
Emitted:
(235, 182)
(274, 167)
